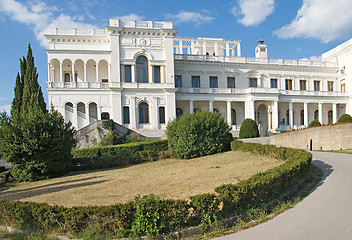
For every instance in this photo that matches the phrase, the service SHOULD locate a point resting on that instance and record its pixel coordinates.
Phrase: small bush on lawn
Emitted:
(315, 123)
(249, 129)
(198, 134)
(345, 118)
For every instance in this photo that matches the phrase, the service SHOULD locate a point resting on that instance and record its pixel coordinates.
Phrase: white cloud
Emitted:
(195, 17)
(316, 58)
(39, 17)
(253, 12)
(325, 20)
(5, 108)
(131, 16)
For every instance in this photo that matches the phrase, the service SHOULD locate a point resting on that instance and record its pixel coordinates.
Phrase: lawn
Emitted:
(166, 178)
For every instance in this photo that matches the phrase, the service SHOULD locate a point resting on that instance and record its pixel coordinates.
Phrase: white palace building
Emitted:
(141, 75)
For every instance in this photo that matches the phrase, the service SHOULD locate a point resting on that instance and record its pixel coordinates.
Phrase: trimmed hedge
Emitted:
(314, 123)
(345, 118)
(249, 129)
(112, 156)
(150, 216)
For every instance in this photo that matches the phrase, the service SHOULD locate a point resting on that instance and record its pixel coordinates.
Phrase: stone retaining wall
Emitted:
(333, 137)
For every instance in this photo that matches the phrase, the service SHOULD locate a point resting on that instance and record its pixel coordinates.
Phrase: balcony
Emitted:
(106, 85)
(228, 90)
(312, 93)
(251, 60)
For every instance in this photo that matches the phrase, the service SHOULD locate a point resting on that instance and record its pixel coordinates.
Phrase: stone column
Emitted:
(74, 82)
(190, 106)
(211, 104)
(306, 115)
(133, 73)
(75, 117)
(290, 109)
(61, 74)
(180, 45)
(216, 49)
(109, 73)
(85, 73)
(204, 47)
(334, 113)
(133, 118)
(192, 47)
(155, 114)
(97, 74)
(87, 114)
(320, 112)
(228, 113)
(49, 74)
(275, 115)
(150, 73)
(227, 49)
(98, 112)
(239, 49)
(270, 118)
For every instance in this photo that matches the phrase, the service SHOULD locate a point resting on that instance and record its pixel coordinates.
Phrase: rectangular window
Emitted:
(126, 115)
(316, 85)
(128, 75)
(303, 85)
(288, 84)
(213, 82)
(156, 74)
(231, 82)
(161, 114)
(178, 81)
(273, 83)
(330, 86)
(252, 82)
(195, 81)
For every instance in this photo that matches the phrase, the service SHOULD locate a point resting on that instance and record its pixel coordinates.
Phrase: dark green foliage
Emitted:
(198, 134)
(249, 129)
(314, 123)
(111, 138)
(112, 156)
(345, 118)
(108, 124)
(36, 142)
(150, 215)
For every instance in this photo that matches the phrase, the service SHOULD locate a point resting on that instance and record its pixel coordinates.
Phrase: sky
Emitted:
(291, 29)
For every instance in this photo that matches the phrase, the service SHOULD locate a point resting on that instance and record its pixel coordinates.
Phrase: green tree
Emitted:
(37, 142)
(198, 134)
(314, 123)
(345, 118)
(249, 129)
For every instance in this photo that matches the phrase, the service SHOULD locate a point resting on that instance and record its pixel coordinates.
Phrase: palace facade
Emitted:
(141, 75)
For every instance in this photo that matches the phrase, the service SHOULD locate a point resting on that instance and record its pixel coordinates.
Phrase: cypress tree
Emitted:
(41, 102)
(17, 100)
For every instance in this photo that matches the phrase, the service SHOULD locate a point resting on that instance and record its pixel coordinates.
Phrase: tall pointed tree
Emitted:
(17, 100)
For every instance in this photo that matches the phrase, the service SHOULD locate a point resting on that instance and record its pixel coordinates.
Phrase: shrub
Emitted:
(108, 124)
(249, 129)
(345, 118)
(315, 123)
(198, 134)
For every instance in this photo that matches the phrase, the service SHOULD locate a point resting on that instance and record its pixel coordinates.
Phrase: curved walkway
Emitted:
(325, 214)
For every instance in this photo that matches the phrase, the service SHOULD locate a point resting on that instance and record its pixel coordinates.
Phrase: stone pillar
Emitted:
(155, 114)
(85, 72)
(190, 106)
(133, 73)
(216, 49)
(162, 74)
(180, 45)
(192, 47)
(250, 109)
(211, 104)
(275, 115)
(306, 115)
(270, 126)
(239, 49)
(227, 49)
(204, 47)
(61, 74)
(150, 73)
(97, 72)
(133, 118)
(320, 112)
(99, 112)
(73, 72)
(87, 115)
(290, 109)
(49, 74)
(109, 73)
(334, 113)
(228, 113)
(75, 122)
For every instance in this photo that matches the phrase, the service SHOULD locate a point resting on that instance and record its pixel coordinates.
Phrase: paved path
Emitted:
(325, 214)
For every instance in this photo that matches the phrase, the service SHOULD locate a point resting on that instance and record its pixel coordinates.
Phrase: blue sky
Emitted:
(291, 29)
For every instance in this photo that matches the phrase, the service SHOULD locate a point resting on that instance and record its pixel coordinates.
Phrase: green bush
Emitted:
(249, 129)
(108, 124)
(113, 156)
(314, 123)
(345, 118)
(198, 134)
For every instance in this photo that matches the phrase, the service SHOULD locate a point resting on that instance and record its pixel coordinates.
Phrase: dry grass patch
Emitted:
(167, 178)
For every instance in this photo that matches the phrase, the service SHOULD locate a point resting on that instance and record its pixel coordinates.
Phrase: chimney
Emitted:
(261, 51)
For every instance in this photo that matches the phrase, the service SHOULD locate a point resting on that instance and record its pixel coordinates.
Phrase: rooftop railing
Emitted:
(77, 32)
(271, 61)
(140, 24)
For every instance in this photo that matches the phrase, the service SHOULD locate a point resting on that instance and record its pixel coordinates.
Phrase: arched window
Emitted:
(142, 69)
(287, 117)
(67, 77)
(143, 113)
(316, 115)
(105, 116)
(330, 117)
(179, 112)
(302, 117)
(233, 117)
